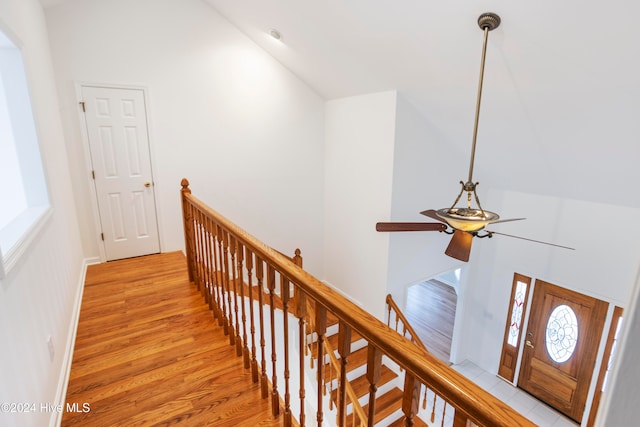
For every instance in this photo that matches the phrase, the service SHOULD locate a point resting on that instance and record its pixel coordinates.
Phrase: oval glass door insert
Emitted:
(562, 333)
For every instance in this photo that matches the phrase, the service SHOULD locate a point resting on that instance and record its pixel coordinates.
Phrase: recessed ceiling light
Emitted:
(275, 34)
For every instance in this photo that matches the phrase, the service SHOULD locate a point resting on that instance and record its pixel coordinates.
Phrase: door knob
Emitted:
(147, 184)
(528, 343)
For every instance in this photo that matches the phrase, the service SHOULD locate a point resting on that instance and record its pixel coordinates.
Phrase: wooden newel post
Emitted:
(410, 399)
(297, 260)
(187, 225)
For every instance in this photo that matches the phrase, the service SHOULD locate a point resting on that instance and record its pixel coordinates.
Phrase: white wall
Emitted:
(246, 132)
(426, 172)
(37, 297)
(359, 138)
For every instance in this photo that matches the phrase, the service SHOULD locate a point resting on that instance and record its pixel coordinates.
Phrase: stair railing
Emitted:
(400, 319)
(345, 393)
(221, 257)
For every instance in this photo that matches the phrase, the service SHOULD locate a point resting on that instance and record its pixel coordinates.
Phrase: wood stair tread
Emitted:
(355, 360)
(360, 385)
(333, 341)
(386, 405)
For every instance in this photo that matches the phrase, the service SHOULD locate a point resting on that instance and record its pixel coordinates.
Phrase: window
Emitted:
(561, 333)
(513, 328)
(24, 202)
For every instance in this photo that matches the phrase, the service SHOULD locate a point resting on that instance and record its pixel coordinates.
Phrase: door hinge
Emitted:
(82, 105)
(102, 236)
(93, 175)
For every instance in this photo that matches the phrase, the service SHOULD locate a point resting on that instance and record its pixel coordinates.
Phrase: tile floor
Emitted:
(533, 409)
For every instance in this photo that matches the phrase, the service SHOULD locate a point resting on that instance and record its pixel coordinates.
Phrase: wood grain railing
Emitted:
(400, 320)
(401, 325)
(247, 284)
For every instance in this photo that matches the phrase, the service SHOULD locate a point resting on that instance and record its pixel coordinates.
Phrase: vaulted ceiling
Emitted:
(561, 102)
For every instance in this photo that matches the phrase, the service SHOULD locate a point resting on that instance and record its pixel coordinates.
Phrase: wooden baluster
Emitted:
(213, 269)
(205, 260)
(252, 323)
(222, 320)
(284, 295)
(374, 371)
(410, 399)
(245, 342)
(197, 247)
(433, 410)
(321, 329)
(264, 382)
(234, 280)
(209, 265)
(301, 313)
(344, 349)
(203, 257)
(275, 396)
(187, 225)
(460, 419)
(229, 328)
(444, 413)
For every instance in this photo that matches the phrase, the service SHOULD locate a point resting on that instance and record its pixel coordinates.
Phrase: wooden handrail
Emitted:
(469, 399)
(413, 335)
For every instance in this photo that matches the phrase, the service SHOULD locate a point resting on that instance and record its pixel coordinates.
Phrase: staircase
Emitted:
(222, 257)
(388, 400)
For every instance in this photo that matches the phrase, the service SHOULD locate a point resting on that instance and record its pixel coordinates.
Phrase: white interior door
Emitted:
(116, 124)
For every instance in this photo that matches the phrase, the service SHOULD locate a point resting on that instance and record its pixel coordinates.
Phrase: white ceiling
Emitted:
(561, 102)
(561, 97)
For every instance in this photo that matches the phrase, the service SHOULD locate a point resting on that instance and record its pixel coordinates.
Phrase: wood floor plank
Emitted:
(149, 352)
(430, 309)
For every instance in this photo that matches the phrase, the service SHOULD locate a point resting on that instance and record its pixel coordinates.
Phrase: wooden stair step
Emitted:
(355, 360)
(360, 385)
(386, 405)
(333, 341)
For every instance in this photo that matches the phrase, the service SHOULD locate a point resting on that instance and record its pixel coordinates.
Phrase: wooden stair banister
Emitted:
(413, 335)
(203, 224)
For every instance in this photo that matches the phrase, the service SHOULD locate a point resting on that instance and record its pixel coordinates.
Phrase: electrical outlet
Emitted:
(52, 351)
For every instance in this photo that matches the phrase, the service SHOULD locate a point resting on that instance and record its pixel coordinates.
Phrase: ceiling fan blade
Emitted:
(431, 213)
(507, 220)
(460, 245)
(410, 226)
(531, 240)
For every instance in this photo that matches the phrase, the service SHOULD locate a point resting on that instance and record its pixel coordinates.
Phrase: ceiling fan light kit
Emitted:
(468, 221)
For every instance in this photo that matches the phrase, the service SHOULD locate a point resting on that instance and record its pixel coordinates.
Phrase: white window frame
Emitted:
(17, 235)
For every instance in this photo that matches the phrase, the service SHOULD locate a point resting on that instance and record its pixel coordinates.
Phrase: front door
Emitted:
(116, 124)
(561, 345)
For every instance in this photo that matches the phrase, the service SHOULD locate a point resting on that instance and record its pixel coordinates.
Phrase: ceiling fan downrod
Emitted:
(487, 22)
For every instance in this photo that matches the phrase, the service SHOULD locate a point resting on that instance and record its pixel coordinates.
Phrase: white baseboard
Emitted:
(65, 370)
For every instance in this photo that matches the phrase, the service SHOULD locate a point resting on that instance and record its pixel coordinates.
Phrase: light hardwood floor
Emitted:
(431, 310)
(148, 352)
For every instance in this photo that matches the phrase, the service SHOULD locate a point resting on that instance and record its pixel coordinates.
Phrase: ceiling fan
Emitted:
(465, 222)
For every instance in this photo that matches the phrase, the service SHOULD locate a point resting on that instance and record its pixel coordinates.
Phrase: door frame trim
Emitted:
(95, 211)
